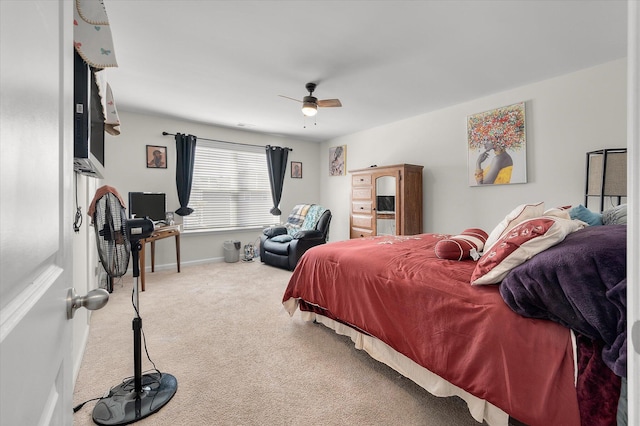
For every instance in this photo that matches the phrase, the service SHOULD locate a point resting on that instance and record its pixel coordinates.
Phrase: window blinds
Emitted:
(230, 188)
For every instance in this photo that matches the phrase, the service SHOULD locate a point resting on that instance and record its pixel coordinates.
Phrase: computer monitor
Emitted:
(148, 204)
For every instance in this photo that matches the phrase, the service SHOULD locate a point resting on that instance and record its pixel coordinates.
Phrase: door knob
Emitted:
(95, 299)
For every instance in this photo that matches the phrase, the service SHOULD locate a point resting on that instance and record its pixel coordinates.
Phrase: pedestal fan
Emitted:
(117, 238)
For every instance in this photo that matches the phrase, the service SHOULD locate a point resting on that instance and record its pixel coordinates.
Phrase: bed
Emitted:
(511, 348)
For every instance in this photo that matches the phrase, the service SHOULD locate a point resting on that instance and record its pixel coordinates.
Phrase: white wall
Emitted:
(85, 259)
(565, 117)
(125, 169)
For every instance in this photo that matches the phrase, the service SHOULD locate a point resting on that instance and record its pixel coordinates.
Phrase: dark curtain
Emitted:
(277, 165)
(185, 157)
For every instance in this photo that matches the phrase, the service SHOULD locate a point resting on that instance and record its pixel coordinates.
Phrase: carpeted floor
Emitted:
(239, 358)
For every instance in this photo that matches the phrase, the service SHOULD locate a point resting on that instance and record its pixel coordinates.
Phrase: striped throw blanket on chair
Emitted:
(296, 218)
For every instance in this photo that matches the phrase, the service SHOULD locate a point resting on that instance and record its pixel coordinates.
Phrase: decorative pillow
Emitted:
(615, 216)
(520, 244)
(467, 245)
(561, 212)
(582, 213)
(285, 238)
(516, 216)
(274, 230)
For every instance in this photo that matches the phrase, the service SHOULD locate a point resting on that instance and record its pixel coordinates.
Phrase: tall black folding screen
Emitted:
(277, 166)
(185, 157)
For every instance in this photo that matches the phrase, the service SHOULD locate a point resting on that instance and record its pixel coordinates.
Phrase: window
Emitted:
(230, 188)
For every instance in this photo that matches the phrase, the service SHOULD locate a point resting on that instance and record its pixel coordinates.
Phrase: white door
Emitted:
(36, 205)
(633, 232)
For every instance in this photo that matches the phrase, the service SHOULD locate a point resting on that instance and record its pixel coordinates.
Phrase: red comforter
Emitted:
(397, 290)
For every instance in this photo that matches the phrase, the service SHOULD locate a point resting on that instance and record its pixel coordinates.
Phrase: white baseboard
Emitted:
(79, 354)
(189, 263)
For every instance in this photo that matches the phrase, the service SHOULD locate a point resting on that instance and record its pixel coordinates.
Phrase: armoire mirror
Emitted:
(386, 205)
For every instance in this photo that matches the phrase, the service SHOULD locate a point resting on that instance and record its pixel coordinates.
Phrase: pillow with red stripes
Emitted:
(515, 217)
(520, 244)
(467, 245)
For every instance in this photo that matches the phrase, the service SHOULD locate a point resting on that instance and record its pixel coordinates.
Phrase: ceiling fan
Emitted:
(310, 103)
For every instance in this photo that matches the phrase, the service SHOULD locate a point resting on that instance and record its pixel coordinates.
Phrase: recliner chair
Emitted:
(284, 245)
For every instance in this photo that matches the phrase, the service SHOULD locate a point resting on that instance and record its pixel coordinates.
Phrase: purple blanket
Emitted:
(580, 283)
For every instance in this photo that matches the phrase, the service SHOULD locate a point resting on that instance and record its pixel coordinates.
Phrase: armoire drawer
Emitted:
(362, 221)
(361, 193)
(361, 180)
(360, 233)
(361, 207)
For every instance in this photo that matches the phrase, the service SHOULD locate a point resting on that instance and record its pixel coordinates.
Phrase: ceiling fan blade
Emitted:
(293, 99)
(329, 103)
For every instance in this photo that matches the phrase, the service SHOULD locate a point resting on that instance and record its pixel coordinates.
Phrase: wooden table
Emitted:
(158, 234)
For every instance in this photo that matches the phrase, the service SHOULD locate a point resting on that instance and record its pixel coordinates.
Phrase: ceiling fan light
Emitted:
(309, 109)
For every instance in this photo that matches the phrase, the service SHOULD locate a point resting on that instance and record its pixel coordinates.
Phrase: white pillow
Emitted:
(560, 212)
(516, 216)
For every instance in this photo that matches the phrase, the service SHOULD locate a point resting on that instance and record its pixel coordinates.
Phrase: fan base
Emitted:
(124, 406)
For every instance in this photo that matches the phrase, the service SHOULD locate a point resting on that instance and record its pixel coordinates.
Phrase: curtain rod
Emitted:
(233, 143)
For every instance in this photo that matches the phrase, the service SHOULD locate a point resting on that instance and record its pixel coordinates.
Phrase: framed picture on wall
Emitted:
(497, 143)
(296, 170)
(156, 157)
(338, 160)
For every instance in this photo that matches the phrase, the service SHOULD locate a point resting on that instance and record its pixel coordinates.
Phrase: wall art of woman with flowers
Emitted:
(493, 137)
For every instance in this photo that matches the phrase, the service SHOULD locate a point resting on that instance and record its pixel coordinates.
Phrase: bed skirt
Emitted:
(479, 409)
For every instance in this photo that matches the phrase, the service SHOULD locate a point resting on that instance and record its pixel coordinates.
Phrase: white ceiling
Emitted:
(226, 62)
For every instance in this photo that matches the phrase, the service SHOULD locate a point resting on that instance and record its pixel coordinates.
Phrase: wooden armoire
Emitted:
(386, 200)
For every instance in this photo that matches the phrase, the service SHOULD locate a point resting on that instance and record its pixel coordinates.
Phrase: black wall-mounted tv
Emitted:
(88, 129)
(148, 204)
(386, 203)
